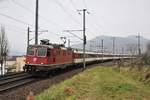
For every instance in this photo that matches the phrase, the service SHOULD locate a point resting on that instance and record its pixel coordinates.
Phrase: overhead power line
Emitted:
(73, 4)
(34, 37)
(31, 11)
(19, 4)
(14, 30)
(63, 8)
(73, 35)
(96, 26)
(85, 5)
(17, 20)
(16, 27)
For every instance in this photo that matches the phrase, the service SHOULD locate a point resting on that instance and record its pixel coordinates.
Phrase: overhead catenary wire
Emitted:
(14, 30)
(96, 23)
(85, 5)
(31, 11)
(47, 20)
(42, 17)
(74, 35)
(19, 4)
(69, 15)
(73, 4)
(12, 18)
(41, 34)
(15, 19)
(92, 27)
(98, 26)
(16, 27)
(34, 37)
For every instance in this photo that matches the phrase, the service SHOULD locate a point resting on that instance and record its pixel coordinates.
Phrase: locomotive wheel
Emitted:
(26, 68)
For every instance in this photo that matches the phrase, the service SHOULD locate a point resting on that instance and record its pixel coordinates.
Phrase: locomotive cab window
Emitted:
(41, 52)
(31, 51)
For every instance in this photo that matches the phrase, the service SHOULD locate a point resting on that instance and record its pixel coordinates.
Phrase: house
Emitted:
(15, 64)
(20, 62)
(10, 64)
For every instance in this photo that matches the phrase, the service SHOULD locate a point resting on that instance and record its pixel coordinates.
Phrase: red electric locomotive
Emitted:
(47, 56)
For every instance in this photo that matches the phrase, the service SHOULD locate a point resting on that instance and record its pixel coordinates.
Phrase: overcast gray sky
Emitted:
(107, 17)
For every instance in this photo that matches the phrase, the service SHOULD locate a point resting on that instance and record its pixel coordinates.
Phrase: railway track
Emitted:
(15, 80)
(19, 79)
(10, 74)
(13, 75)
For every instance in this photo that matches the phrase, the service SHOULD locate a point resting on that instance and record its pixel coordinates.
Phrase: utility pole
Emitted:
(122, 53)
(113, 38)
(102, 41)
(28, 36)
(139, 48)
(84, 37)
(68, 43)
(36, 22)
(91, 43)
(90, 46)
(122, 50)
(113, 45)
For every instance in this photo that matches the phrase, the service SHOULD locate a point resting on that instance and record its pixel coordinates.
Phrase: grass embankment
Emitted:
(98, 84)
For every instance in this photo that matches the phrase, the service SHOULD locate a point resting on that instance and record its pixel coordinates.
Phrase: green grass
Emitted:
(97, 84)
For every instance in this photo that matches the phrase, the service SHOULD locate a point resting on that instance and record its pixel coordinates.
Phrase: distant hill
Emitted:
(95, 44)
(16, 53)
(120, 42)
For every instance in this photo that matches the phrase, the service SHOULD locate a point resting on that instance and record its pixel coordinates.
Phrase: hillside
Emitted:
(95, 44)
(120, 42)
(100, 83)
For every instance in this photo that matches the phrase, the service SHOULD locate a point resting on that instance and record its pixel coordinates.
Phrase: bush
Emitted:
(146, 55)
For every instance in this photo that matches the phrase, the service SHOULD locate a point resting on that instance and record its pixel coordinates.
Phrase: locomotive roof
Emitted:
(46, 46)
(51, 46)
(90, 52)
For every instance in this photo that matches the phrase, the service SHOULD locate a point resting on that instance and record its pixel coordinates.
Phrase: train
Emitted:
(47, 56)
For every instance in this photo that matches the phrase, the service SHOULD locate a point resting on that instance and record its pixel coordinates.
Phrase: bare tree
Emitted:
(146, 55)
(4, 48)
(132, 49)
